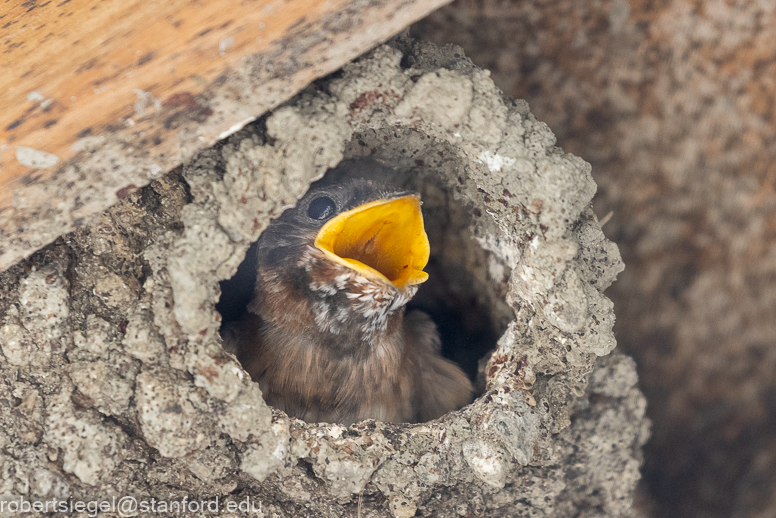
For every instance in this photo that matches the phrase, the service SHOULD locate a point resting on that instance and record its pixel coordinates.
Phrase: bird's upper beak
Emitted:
(382, 239)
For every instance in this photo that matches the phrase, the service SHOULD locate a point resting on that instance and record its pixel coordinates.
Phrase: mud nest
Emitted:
(114, 381)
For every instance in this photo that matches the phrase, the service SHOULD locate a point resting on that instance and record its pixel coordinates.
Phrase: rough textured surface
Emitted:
(102, 98)
(673, 104)
(113, 368)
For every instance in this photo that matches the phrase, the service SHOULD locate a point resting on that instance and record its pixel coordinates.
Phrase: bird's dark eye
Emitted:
(321, 208)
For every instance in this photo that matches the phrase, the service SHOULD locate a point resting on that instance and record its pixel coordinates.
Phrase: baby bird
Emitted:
(326, 335)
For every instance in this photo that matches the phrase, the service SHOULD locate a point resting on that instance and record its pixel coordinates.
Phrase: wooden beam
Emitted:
(101, 96)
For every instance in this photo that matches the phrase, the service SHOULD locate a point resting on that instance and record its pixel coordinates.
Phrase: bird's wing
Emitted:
(423, 332)
(441, 385)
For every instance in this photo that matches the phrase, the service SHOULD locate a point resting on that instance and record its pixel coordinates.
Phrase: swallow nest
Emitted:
(115, 382)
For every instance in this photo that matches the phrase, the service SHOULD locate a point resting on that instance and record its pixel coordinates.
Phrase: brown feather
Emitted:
(326, 344)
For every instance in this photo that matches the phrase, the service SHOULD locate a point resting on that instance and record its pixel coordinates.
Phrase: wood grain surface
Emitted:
(101, 96)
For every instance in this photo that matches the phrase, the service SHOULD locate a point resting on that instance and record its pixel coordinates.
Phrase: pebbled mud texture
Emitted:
(673, 105)
(113, 381)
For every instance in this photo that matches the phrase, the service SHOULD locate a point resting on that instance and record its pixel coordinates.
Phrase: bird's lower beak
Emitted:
(381, 239)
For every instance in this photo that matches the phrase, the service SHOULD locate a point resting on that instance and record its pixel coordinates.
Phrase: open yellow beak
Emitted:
(382, 239)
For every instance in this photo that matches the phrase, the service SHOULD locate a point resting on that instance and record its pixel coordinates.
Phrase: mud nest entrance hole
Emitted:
(461, 295)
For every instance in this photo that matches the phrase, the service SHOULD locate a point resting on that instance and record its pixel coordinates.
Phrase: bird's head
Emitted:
(349, 255)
